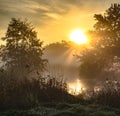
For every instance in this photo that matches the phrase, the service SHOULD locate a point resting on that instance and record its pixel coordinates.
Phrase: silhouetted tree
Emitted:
(23, 51)
(91, 64)
(105, 45)
(107, 29)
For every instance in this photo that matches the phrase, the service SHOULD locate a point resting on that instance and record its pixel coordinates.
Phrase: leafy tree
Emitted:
(107, 28)
(91, 64)
(105, 45)
(23, 51)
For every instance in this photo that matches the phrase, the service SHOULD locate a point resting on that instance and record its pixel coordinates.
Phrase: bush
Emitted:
(109, 94)
(28, 93)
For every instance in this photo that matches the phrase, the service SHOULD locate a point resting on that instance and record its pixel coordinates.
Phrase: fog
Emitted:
(61, 61)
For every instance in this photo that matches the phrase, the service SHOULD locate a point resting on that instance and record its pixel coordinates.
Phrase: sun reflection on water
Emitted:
(75, 88)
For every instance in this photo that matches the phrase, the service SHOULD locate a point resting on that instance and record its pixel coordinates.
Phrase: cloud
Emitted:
(41, 12)
(41, 8)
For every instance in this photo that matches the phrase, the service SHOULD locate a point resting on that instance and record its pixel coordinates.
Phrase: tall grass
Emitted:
(109, 94)
(30, 92)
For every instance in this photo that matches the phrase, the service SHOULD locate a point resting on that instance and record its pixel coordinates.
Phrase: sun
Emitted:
(78, 37)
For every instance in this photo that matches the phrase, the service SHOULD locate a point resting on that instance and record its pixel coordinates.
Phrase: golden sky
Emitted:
(54, 20)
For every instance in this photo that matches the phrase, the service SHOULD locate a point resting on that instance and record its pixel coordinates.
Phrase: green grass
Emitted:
(64, 109)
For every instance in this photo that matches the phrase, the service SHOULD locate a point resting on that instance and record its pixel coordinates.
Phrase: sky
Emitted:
(54, 20)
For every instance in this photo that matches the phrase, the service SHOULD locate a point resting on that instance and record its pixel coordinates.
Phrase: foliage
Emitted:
(56, 49)
(92, 63)
(73, 110)
(109, 94)
(96, 61)
(19, 94)
(107, 28)
(23, 51)
(22, 57)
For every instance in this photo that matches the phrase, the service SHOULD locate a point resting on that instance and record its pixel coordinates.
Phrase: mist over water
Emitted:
(63, 64)
(61, 60)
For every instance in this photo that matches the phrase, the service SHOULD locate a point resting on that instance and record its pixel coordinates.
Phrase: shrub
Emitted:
(109, 94)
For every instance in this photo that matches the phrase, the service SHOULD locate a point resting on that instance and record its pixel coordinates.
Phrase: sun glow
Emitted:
(75, 88)
(78, 37)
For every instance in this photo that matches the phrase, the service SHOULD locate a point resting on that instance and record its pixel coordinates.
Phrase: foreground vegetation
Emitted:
(64, 109)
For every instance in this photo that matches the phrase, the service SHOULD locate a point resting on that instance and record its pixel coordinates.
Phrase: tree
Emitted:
(92, 67)
(107, 28)
(97, 61)
(23, 51)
